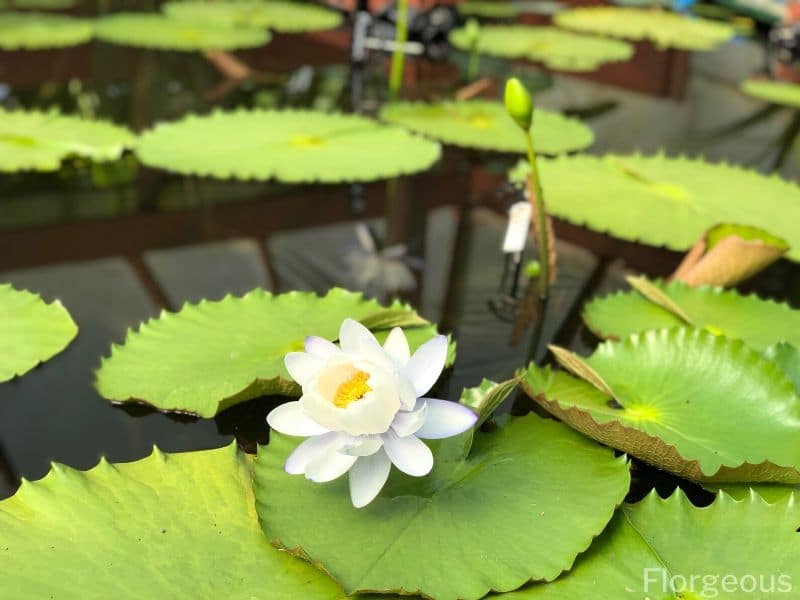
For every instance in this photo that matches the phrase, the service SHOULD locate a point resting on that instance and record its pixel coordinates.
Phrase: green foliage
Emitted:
(556, 49)
(664, 29)
(161, 33)
(489, 9)
(530, 497)
(486, 126)
(280, 15)
(291, 146)
(212, 355)
(665, 201)
(36, 31)
(698, 405)
(167, 526)
(31, 331)
(32, 140)
(775, 92)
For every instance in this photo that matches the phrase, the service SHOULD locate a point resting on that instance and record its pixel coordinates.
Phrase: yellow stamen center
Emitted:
(354, 388)
(480, 122)
(306, 141)
(641, 412)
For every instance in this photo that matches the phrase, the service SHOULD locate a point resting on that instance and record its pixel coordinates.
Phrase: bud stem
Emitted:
(537, 199)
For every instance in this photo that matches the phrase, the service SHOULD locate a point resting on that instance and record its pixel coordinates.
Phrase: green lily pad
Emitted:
(290, 146)
(31, 331)
(289, 17)
(41, 4)
(664, 29)
(528, 499)
(491, 9)
(555, 48)
(787, 357)
(760, 323)
(161, 33)
(656, 540)
(212, 355)
(664, 201)
(771, 492)
(775, 92)
(36, 31)
(487, 126)
(32, 140)
(702, 406)
(167, 526)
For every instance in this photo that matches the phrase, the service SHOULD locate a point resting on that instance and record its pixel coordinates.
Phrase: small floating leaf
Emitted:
(692, 403)
(529, 498)
(31, 331)
(32, 140)
(775, 92)
(36, 31)
(487, 126)
(212, 355)
(159, 32)
(760, 323)
(555, 48)
(289, 145)
(664, 29)
(167, 526)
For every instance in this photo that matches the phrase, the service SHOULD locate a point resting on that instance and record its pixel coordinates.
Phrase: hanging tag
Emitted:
(519, 224)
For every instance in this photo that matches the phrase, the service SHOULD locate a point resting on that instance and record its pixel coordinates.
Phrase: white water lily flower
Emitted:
(363, 409)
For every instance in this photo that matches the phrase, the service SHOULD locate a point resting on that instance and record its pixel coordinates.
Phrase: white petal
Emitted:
(406, 391)
(396, 346)
(409, 454)
(308, 451)
(363, 445)
(320, 347)
(408, 422)
(427, 364)
(329, 466)
(358, 341)
(446, 419)
(291, 419)
(367, 478)
(302, 367)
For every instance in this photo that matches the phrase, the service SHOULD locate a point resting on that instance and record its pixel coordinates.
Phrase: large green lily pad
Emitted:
(664, 201)
(36, 31)
(671, 539)
(290, 17)
(212, 355)
(665, 29)
(161, 33)
(760, 323)
(487, 126)
(787, 357)
(33, 140)
(290, 146)
(31, 331)
(702, 406)
(529, 498)
(167, 526)
(775, 92)
(555, 48)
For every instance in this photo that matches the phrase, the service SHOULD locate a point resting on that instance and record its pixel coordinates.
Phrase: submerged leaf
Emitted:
(530, 497)
(36, 31)
(212, 355)
(487, 126)
(555, 48)
(689, 402)
(290, 146)
(167, 526)
(31, 331)
(664, 29)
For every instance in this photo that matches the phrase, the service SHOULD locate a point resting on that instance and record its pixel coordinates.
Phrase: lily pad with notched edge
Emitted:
(37, 31)
(531, 495)
(290, 146)
(212, 355)
(288, 17)
(665, 201)
(167, 526)
(161, 33)
(775, 92)
(31, 331)
(665, 29)
(702, 406)
(649, 543)
(487, 126)
(555, 48)
(760, 323)
(32, 140)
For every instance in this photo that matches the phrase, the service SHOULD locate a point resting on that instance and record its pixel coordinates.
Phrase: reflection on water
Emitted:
(117, 242)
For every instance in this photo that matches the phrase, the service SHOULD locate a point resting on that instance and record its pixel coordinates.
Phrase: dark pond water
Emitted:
(117, 243)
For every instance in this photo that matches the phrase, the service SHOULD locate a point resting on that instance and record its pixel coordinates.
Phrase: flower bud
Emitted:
(473, 30)
(519, 103)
